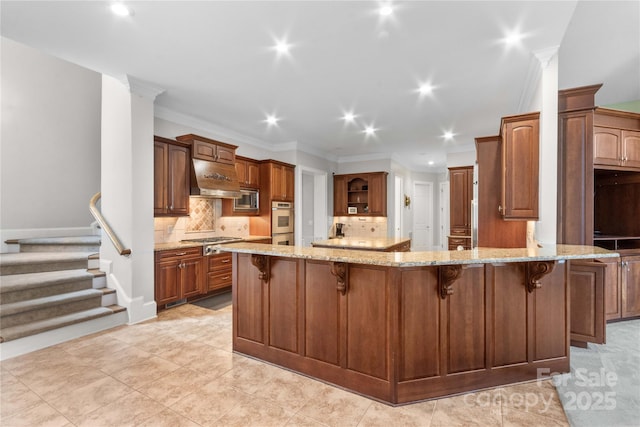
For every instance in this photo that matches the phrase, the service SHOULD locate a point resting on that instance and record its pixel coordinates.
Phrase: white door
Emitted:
(310, 210)
(422, 216)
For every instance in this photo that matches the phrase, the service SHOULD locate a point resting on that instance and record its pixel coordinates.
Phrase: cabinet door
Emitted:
(606, 146)
(377, 194)
(178, 187)
(630, 284)
(192, 276)
(204, 151)
(460, 200)
(252, 175)
(288, 183)
(339, 195)
(225, 155)
(612, 294)
(520, 150)
(631, 148)
(587, 302)
(167, 282)
(241, 171)
(277, 181)
(160, 180)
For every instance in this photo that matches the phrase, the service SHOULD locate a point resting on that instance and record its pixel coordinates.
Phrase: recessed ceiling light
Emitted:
(385, 10)
(425, 89)
(431, 163)
(448, 135)
(121, 10)
(369, 130)
(282, 47)
(349, 117)
(272, 120)
(513, 38)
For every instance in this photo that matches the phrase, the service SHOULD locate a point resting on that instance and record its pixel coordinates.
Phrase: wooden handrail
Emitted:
(105, 226)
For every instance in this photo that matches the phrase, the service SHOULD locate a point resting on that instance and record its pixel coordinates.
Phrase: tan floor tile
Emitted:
(49, 383)
(217, 337)
(515, 418)
(130, 410)
(214, 362)
(134, 334)
(123, 358)
(336, 407)
(93, 345)
(258, 412)
(177, 385)
(168, 418)
(145, 372)
(457, 411)
(290, 390)
(37, 360)
(16, 397)
(539, 398)
(41, 415)
(186, 353)
(75, 403)
(417, 414)
(302, 421)
(249, 375)
(209, 403)
(161, 342)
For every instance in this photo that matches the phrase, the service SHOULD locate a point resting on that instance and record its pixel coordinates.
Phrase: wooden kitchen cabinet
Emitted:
(278, 180)
(219, 273)
(460, 195)
(248, 171)
(520, 160)
(171, 178)
(210, 149)
(360, 194)
(179, 274)
(616, 147)
(630, 285)
(588, 302)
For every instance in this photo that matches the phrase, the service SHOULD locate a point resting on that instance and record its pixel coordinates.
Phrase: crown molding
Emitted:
(143, 88)
(545, 55)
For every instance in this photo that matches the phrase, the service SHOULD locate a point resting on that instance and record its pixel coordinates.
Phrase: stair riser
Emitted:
(41, 267)
(109, 299)
(58, 248)
(50, 311)
(46, 291)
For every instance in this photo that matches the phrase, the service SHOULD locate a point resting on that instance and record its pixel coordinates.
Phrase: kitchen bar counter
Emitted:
(406, 326)
(382, 244)
(185, 244)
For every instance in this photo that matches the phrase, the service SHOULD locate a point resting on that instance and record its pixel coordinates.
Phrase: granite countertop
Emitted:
(184, 245)
(378, 243)
(410, 259)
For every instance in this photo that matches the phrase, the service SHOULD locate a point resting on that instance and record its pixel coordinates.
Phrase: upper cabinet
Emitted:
(616, 147)
(460, 195)
(209, 149)
(171, 178)
(360, 194)
(248, 171)
(520, 159)
(280, 178)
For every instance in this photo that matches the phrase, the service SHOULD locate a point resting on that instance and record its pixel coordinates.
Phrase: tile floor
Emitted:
(178, 370)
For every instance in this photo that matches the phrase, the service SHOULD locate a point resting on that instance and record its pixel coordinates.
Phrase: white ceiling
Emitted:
(215, 61)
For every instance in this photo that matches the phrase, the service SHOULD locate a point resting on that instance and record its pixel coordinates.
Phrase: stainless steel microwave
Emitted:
(247, 202)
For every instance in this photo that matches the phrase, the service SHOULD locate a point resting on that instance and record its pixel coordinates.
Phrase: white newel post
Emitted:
(127, 192)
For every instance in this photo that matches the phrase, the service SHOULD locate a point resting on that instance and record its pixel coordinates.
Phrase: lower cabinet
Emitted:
(456, 242)
(179, 274)
(629, 285)
(219, 273)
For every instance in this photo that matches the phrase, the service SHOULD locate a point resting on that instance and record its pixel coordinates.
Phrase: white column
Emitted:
(548, 183)
(127, 192)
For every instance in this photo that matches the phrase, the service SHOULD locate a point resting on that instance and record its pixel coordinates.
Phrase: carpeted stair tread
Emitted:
(50, 301)
(73, 240)
(22, 282)
(19, 331)
(34, 262)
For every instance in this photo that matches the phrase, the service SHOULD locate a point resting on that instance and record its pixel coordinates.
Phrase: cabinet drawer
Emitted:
(177, 253)
(455, 242)
(218, 280)
(220, 262)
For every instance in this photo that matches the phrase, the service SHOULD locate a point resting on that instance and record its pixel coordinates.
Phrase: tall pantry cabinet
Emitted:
(598, 204)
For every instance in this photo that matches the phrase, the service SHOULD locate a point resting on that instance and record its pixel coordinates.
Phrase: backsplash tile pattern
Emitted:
(375, 226)
(205, 221)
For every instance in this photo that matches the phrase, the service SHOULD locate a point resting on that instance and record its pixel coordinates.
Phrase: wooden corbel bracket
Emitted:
(339, 269)
(536, 270)
(262, 264)
(447, 275)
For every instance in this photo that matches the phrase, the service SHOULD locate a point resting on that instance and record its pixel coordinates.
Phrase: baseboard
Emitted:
(31, 343)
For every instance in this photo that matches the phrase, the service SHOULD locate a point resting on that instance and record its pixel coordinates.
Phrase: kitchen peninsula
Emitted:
(383, 244)
(406, 326)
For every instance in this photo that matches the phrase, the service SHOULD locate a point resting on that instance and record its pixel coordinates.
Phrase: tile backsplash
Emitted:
(375, 226)
(205, 220)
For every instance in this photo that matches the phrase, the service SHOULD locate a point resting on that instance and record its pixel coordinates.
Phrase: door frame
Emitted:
(429, 244)
(320, 223)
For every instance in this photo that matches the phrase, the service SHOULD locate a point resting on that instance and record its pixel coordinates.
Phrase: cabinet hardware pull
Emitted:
(180, 253)
(500, 208)
(226, 278)
(224, 261)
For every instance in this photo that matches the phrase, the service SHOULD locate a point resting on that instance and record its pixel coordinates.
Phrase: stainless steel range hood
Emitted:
(214, 179)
